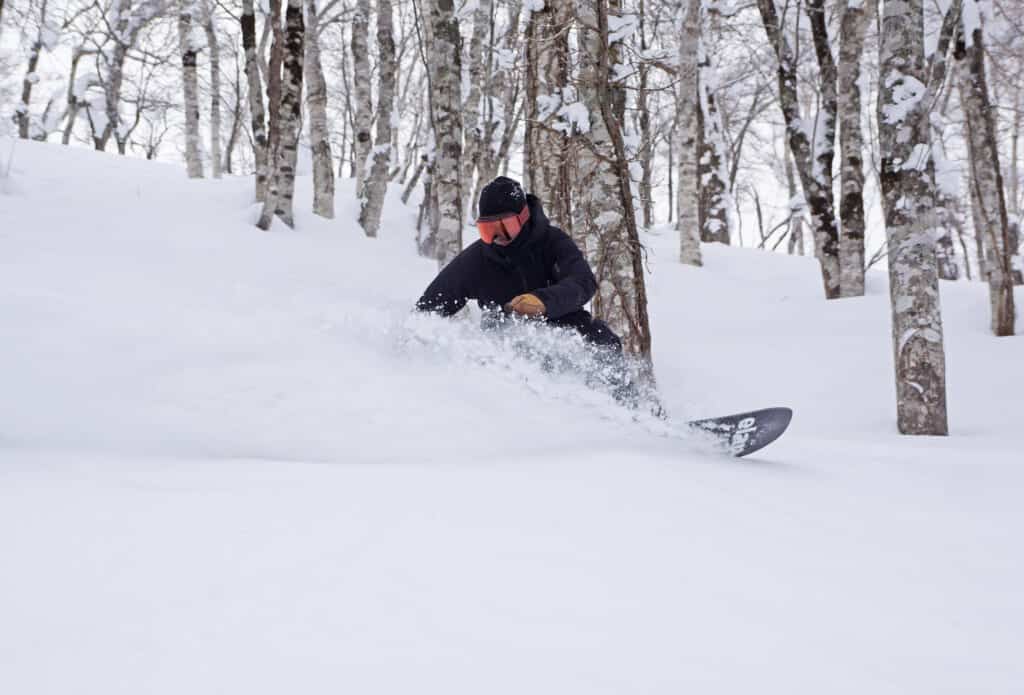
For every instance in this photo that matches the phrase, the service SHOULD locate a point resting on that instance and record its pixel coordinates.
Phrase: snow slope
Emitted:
(233, 461)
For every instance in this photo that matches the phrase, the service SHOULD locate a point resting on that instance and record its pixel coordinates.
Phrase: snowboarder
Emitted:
(523, 265)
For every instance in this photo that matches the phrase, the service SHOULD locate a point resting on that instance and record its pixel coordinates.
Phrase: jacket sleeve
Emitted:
(575, 283)
(452, 287)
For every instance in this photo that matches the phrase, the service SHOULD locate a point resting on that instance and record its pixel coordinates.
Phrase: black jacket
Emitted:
(542, 260)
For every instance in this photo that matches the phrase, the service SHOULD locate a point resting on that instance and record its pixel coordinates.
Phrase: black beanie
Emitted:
(501, 197)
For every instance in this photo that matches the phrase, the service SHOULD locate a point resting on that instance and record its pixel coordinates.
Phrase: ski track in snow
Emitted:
(233, 461)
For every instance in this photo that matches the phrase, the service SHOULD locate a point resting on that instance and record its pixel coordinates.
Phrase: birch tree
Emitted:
(445, 68)
(605, 224)
(371, 197)
(23, 113)
(907, 197)
(319, 129)
(213, 48)
(851, 144)
(987, 192)
(502, 102)
(713, 211)
(256, 111)
(284, 151)
(124, 22)
(482, 27)
(549, 100)
(361, 87)
(687, 134)
(190, 82)
(813, 160)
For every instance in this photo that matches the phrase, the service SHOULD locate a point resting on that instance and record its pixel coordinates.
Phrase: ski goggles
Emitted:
(506, 227)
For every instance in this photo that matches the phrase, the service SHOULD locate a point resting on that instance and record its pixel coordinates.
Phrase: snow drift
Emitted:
(234, 461)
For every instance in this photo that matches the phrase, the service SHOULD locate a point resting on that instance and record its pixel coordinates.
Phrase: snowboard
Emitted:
(745, 433)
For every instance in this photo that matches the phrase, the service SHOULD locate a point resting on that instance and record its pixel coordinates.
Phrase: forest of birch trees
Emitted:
(863, 133)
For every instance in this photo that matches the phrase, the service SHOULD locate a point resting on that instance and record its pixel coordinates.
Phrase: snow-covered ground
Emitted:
(233, 461)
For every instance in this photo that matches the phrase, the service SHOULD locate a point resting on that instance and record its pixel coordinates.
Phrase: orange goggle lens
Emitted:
(505, 226)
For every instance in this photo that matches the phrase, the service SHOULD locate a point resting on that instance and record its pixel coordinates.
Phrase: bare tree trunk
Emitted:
(907, 196)
(1018, 126)
(361, 83)
(252, 75)
(987, 180)
(445, 82)
(647, 138)
(815, 172)
(504, 85)
(23, 114)
(414, 179)
(274, 92)
(477, 78)
(797, 205)
(429, 218)
(345, 146)
(193, 156)
(606, 220)
(546, 157)
(375, 185)
(851, 144)
(947, 209)
(236, 122)
(282, 180)
(211, 42)
(74, 104)
(319, 130)
(115, 76)
(671, 167)
(688, 134)
(711, 174)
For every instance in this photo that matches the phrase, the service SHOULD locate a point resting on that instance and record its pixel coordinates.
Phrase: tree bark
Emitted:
(477, 84)
(115, 75)
(445, 63)
(210, 29)
(252, 75)
(319, 128)
(546, 156)
(74, 104)
(24, 112)
(851, 145)
(361, 84)
(504, 87)
(711, 172)
(606, 219)
(795, 245)
(986, 179)
(688, 135)
(815, 172)
(376, 183)
(647, 138)
(193, 156)
(236, 123)
(282, 181)
(907, 197)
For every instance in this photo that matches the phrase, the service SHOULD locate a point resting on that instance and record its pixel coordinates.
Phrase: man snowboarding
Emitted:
(523, 265)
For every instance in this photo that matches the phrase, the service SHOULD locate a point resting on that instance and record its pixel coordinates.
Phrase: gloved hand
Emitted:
(526, 305)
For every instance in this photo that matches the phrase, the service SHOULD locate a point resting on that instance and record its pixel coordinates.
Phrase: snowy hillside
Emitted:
(233, 461)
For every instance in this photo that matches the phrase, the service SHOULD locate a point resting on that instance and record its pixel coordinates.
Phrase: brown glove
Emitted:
(526, 305)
